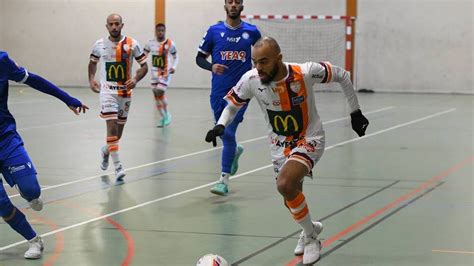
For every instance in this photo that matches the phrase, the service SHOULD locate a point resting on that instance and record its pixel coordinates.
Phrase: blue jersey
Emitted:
(231, 47)
(9, 70)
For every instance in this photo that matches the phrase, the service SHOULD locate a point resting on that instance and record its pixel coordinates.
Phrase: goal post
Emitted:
(310, 38)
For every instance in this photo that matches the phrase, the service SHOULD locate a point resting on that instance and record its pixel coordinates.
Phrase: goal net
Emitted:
(306, 38)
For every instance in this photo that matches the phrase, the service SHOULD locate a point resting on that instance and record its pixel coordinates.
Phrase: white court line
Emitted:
(183, 156)
(212, 183)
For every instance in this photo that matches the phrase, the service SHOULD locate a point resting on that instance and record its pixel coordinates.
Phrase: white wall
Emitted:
(415, 45)
(54, 37)
(1, 24)
(402, 45)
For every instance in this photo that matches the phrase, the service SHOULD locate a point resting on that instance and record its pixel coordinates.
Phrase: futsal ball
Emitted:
(212, 260)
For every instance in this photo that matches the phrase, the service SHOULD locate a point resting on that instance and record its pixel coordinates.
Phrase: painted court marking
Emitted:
(429, 184)
(453, 251)
(212, 183)
(182, 156)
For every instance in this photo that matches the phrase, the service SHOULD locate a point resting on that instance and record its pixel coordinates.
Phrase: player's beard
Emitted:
(269, 77)
(235, 15)
(115, 34)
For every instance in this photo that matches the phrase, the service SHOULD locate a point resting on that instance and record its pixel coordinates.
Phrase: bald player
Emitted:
(116, 53)
(284, 93)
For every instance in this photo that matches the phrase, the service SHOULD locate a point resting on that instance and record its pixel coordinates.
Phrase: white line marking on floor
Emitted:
(183, 156)
(212, 183)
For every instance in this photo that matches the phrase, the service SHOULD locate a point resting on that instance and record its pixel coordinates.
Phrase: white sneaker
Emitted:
(36, 248)
(119, 173)
(36, 204)
(312, 249)
(299, 249)
(105, 158)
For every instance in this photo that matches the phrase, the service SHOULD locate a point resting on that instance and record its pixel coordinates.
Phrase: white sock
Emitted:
(115, 158)
(224, 178)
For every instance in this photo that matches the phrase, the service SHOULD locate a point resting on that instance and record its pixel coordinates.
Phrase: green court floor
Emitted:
(401, 195)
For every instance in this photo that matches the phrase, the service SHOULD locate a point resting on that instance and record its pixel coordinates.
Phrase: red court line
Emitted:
(128, 237)
(59, 245)
(130, 243)
(392, 204)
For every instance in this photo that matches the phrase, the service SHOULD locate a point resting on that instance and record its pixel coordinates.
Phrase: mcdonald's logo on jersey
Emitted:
(158, 61)
(286, 123)
(116, 71)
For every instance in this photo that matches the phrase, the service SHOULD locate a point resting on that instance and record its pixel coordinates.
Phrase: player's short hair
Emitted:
(241, 1)
(160, 25)
(270, 41)
(114, 15)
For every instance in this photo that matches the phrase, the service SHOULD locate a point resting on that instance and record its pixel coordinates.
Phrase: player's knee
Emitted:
(31, 191)
(286, 187)
(158, 92)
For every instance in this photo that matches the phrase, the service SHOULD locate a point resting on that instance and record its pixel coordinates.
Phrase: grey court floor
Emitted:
(402, 195)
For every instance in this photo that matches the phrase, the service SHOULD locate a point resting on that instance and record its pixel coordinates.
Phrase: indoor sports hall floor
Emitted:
(402, 195)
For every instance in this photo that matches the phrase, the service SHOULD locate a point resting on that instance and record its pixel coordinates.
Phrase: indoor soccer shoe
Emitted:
(119, 173)
(167, 119)
(36, 248)
(299, 249)
(220, 189)
(105, 158)
(36, 204)
(235, 163)
(312, 249)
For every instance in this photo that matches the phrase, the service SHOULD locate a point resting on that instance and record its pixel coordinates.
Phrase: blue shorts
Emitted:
(15, 165)
(218, 104)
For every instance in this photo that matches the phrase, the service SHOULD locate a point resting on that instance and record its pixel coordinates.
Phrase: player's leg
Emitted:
(123, 109)
(318, 228)
(17, 221)
(288, 181)
(109, 112)
(19, 170)
(230, 148)
(290, 185)
(162, 104)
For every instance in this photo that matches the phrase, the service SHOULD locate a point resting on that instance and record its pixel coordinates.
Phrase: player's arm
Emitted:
(324, 72)
(91, 69)
(201, 61)
(236, 98)
(141, 58)
(21, 75)
(174, 54)
(43, 85)
(141, 72)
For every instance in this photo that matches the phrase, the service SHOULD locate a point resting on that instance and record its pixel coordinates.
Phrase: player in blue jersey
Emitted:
(229, 44)
(15, 164)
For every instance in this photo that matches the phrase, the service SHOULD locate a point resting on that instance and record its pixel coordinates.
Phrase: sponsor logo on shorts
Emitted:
(14, 169)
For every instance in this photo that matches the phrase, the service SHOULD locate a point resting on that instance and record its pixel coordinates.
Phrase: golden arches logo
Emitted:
(284, 122)
(116, 69)
(158, 61)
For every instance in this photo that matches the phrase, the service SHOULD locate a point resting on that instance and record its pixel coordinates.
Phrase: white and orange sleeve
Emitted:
(325, 72)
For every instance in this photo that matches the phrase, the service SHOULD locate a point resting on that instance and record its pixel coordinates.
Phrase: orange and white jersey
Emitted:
(289, 104)
(161, 53)
(116, 59)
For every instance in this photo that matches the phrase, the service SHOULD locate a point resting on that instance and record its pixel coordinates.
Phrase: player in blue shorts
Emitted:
(229, 44)
(15, 164)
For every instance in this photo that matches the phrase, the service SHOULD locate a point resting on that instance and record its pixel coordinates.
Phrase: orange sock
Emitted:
(300, 212)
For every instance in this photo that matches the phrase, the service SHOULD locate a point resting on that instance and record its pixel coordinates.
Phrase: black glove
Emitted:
(359, 122)
(212, 134)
